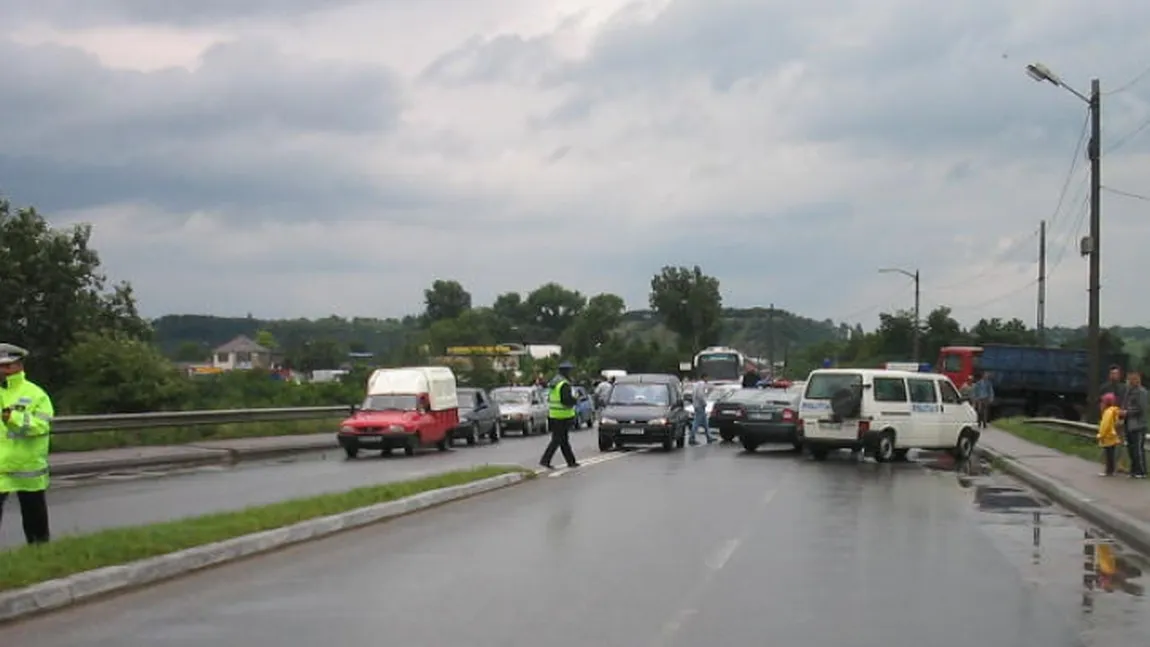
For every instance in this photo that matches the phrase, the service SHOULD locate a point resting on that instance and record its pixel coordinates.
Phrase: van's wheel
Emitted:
(606, 444)
(727, 435)
(351, 452)
(444, 444)
(496, 432)
(750, 445)
(473, 435)
(819, 453)
(965, 446)
(409, 448)
(884, 449)
(529, 428)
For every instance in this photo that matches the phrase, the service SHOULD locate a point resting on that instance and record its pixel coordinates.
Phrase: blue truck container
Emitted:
(1048, 382)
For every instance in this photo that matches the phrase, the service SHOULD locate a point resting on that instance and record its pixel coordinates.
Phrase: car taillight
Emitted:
(864, 426)
(788, 414)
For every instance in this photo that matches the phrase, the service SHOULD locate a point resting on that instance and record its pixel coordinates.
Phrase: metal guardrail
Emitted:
(1080, 429)
(168, 419)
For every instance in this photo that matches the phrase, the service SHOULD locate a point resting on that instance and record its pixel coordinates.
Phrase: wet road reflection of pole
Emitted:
(1036, 555)
(1089, 576)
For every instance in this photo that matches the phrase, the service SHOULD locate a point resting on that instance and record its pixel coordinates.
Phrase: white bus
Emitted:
(720, 364)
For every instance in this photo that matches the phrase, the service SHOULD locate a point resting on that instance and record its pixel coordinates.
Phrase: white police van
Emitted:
(885, 414)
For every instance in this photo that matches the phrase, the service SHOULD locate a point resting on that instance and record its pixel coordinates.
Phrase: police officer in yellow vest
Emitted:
(560, 414)
(26, 413)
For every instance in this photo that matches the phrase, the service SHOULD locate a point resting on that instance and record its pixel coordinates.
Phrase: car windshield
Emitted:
(781, 397)
(511, 397)
(640, 394)
(823, 386)
(742, 395)
(390, 403)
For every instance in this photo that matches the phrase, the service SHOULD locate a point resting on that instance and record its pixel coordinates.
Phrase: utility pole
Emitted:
(917, 319)
(1040, 324)
(1093, 344)
(771, 337)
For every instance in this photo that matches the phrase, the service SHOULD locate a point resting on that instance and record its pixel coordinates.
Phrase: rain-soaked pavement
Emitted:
(138, 497)
(708, 546)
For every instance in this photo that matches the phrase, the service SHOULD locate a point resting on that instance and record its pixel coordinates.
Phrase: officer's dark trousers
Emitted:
(34, 512)
(559, 440)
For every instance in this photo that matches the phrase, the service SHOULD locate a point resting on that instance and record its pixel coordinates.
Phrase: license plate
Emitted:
(830, 426)
(761, 416)
(635, 431)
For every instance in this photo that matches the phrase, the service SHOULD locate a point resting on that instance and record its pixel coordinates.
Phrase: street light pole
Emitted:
(1092, 247)
(917, 300)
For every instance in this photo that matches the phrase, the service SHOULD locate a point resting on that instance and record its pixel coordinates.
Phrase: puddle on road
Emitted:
(1097, 583)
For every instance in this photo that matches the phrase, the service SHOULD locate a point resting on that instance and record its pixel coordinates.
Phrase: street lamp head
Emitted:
(1040, 73)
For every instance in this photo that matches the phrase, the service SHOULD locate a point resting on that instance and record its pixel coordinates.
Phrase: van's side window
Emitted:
(889, 389)
(949, 394)
(922, 391)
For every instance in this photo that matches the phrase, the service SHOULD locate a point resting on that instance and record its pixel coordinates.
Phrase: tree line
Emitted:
(96, 354)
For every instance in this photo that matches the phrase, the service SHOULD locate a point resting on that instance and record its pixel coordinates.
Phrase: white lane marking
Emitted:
(594, 460)
(722, 554)
(768, 497)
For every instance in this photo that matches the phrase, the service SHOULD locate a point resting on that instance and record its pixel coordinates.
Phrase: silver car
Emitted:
(521, 408)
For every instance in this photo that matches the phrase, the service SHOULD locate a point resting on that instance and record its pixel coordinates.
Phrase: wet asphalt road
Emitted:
(135, 500)
(707, 546)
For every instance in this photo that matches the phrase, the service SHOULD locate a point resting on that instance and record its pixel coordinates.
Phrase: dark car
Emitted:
(729, 410)
(771, 416)
(644, 409)
(478, 416)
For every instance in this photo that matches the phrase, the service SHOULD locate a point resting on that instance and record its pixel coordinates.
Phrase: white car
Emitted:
(885, 414)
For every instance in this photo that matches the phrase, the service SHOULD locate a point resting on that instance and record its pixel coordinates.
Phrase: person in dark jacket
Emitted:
(1114, 385)
(750, 379)
(1135, 409)
(560, 415)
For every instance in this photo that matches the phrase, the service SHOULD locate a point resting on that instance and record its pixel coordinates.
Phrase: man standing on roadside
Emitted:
(1135, 407)
(1114, 384)
(26, 415)
(699, 402)
(560, 413)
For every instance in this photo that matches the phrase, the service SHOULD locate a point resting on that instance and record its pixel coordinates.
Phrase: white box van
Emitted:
(885, 414)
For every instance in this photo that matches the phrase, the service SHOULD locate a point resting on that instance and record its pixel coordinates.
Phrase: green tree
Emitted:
(266, 339)
(120, 374)
(445, 300)
(997, 331)
(690, 305)
(474, 327)
(553, 308)
(190, 351)
(52, 290)
(594, 325)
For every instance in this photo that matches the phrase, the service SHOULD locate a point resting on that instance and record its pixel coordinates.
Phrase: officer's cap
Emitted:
(11, 353)
(566, 366)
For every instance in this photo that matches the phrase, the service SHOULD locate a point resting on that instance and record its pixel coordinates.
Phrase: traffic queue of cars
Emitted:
(881, 413)
(422, 406)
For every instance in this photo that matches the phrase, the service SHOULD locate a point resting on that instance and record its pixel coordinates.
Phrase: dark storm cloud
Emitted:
(74, 133)
(88, 13)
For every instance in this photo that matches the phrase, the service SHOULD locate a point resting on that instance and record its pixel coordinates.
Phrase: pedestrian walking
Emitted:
(26, 413)
(1108, 437)
(1134, 412)
(699, 402)
(560, 414)
(983, 393)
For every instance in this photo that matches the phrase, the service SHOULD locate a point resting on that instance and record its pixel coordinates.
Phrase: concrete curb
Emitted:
(56, 594)
(1126, 528)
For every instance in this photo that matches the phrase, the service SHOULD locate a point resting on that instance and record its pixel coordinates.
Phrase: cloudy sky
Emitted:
(308, 157)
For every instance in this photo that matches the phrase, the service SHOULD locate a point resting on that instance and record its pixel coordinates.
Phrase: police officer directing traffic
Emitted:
(26, 413)
(560, 413)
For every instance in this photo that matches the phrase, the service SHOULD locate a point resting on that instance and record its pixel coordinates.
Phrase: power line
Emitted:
(1074, 231)
(1128, 137)
(1136, 196)
(872, 308)
(1131, 83)
(1078, 148)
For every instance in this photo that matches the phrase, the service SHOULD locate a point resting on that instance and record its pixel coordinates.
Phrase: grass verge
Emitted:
(87, 442)
(1056, 439)
(69, 555)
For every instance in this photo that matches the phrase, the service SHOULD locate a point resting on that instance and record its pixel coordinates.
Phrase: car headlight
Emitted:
(657, 422)
(398, 429)
(608, 421)
(347, 430)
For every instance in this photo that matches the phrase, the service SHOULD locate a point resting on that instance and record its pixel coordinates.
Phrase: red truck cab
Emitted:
(958, 362)
(404, 407)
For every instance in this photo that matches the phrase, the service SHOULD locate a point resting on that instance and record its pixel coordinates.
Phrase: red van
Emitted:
(405, 407)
